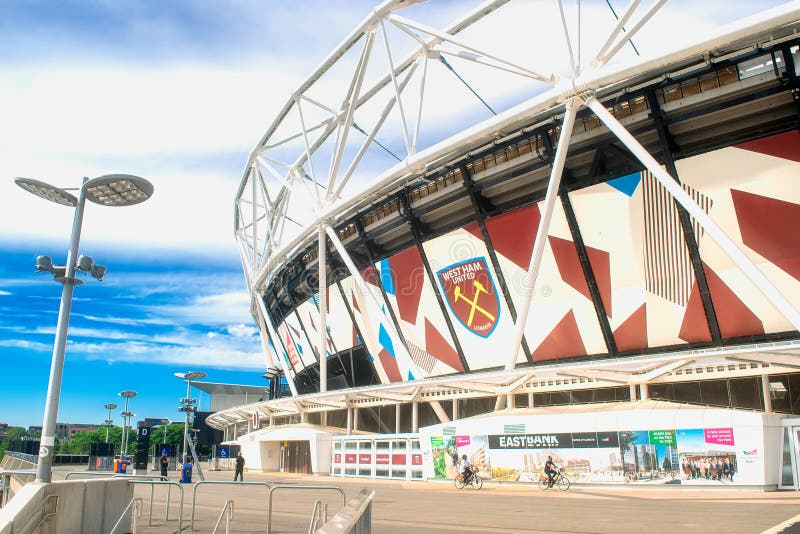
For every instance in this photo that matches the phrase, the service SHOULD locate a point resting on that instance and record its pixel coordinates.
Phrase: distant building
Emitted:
(3, 430)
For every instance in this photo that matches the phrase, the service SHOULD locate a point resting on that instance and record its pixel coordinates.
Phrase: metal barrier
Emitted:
(5, 485)
(226, 482)
(106, 474)
(136, 502)
(319, 515)
(355, 518)
(228, 516)
(169, 484)
(30, 458)
(276, 487)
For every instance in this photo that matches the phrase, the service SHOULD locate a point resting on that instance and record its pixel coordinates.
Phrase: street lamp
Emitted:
(126, 415)
(109, 406)
(187, 405)
(108, 190)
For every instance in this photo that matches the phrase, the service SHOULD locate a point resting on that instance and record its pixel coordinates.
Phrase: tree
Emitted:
(12, 433)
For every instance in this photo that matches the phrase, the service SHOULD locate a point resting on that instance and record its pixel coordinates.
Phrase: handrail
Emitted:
(229, 509)
(5, 485)
(276, 487)
(169, 484)
(42, 516)
(107, 474)
(320, 512)
(136, 502)
(226, 482)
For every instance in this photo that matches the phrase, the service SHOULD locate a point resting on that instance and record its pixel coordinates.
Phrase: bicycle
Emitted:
(476, 482)
(559, 479)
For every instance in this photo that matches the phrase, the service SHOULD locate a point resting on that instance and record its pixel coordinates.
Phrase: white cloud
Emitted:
(4, 293)
(241, 330)
(218, 309)
(25, 344)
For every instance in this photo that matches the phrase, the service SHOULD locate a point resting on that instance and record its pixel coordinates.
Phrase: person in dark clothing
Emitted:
(164, 463)
(239, 468)
(550, 470)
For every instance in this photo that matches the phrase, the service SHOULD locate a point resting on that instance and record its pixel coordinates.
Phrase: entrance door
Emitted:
(789, 476)
(296, 457)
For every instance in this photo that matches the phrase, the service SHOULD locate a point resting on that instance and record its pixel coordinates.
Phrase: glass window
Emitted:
(755, 66)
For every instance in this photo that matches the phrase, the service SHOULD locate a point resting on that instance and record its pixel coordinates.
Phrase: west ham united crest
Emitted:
(471, 295)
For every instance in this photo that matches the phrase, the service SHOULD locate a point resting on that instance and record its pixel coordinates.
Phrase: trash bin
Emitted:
(116, 465)
(186, 473)
(123, 465)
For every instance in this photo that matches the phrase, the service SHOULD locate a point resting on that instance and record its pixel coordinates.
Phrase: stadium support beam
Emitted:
(722, 239)
(358, 278)
(541, 232)
(766, 394)
(323, 311)
(274, 335)
(478, 206)
(667, 145)
(439, 411)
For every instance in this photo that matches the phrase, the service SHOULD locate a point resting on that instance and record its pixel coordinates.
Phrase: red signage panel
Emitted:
(416, 459)
(365, 458)
(382, 459)
(398, 459)
(349, 458)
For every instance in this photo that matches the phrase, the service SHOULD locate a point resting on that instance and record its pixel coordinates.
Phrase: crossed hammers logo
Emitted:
(474, 302)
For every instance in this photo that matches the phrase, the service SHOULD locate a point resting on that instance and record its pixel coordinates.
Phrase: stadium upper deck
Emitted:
(551, 240)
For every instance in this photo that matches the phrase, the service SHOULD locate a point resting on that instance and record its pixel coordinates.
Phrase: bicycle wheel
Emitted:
(459, 482)
(543, 484)
(563, 483)
(477, 482)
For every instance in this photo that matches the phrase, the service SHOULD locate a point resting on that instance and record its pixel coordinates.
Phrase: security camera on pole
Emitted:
(187, 406)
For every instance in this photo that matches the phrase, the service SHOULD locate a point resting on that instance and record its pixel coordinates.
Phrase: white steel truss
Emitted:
(295, 186)
(761, 359)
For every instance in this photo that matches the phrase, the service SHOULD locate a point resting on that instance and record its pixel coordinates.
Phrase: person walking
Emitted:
(164, 463)
(239, 468)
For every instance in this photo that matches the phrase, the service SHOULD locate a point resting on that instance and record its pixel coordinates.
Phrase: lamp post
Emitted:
(126, 415)
(187, 405)
(109, 406)
(108, 190)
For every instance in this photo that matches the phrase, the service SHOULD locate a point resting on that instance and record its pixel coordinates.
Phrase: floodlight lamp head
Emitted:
(44, 264)
(84, 264)
(110, 406)
(118, 190)
(98, 271)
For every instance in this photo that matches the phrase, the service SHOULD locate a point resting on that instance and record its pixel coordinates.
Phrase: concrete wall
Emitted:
(85, 506)
(16, 482)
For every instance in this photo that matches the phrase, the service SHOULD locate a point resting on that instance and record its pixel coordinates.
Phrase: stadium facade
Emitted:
(607, 270)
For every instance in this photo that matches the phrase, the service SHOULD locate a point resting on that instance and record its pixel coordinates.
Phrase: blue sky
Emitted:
(177, 92)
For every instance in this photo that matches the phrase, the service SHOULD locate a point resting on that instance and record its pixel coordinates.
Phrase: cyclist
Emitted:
(466, 469)
(551, 470)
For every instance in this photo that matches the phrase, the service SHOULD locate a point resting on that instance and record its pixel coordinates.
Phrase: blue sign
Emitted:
(224, 452)
(163, 449)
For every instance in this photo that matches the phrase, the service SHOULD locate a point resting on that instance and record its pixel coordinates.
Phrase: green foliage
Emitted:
(13, 433)
(81, 441)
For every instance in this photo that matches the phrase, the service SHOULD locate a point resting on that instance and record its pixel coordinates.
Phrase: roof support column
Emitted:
(541, 232)
(323, 310)
(644, 393)
(455, 410)
(397, 420)
(766, 394)
(355, 419)
(632, 388)
(510, 401)
(719, 236)
(415, 416)
(530, 399)
(349, 420)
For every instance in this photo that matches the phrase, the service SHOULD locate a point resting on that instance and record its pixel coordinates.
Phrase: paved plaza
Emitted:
(402, 507)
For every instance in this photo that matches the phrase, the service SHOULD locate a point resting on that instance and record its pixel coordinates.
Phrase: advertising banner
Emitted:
(661, 456)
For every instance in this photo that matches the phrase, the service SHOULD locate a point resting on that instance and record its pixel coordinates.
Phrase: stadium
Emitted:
(598, 262)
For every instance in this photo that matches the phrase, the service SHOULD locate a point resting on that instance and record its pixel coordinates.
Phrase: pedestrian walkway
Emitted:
(405, 506)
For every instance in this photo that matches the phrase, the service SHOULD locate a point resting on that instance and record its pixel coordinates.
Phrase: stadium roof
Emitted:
(215, 388)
